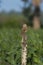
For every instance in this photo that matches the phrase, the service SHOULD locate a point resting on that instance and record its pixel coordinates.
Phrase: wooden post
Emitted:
(24, 45)
(36, 19)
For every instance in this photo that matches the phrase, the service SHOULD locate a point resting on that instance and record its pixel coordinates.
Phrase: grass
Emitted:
(10, 46)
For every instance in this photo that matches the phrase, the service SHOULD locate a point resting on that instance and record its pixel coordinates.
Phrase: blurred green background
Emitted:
(10, 37)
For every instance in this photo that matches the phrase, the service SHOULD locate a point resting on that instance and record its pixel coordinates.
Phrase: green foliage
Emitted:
(35, 47)
(15, 20)
(12, 19)
(10, 47)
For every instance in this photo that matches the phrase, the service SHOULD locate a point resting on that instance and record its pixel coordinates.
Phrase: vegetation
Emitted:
(10, 38)
(15, 19)
(12, 19)
(10, 46)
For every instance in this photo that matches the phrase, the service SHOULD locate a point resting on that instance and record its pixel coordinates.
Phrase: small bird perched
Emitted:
(23, 33)
(24, 28)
